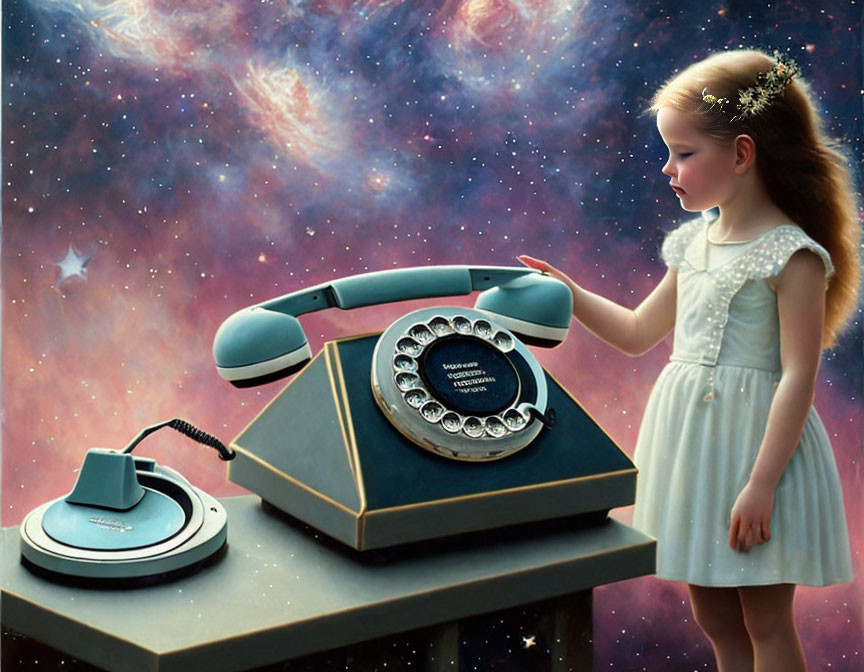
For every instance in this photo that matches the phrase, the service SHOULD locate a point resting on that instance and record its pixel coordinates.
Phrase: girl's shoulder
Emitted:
(677, 240)
(778, 246)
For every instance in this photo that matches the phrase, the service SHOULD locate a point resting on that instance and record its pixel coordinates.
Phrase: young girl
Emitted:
(737, 478)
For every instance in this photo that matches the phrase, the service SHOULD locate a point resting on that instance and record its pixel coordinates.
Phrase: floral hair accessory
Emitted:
(769, 85)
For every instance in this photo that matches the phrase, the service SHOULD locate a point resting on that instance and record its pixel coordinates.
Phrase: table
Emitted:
(282, 591)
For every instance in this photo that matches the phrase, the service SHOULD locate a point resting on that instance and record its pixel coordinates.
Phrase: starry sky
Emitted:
(166, 164)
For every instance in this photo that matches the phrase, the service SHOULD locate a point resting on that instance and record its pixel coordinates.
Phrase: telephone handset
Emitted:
(457, 381)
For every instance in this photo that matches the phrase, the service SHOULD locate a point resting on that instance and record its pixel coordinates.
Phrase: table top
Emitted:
(282, 591)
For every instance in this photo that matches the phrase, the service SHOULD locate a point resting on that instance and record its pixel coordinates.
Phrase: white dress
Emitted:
(706, 416)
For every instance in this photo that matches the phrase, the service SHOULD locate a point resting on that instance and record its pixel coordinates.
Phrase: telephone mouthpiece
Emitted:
(256, 346)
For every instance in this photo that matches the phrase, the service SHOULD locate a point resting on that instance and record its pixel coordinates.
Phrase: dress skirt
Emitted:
(694, 458)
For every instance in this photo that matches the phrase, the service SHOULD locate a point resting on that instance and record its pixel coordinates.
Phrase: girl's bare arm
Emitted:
(801, 306)
(633, 332)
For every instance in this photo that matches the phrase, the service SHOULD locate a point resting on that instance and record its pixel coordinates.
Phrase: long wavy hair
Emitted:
(805, 172)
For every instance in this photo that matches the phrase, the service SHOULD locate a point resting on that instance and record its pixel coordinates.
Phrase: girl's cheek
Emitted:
(717, 169)
(698, 174)
(686, 175)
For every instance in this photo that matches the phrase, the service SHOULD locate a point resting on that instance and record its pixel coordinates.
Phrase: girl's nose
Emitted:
(667, 169)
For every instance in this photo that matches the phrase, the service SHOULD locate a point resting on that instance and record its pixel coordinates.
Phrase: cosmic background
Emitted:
(166, 164)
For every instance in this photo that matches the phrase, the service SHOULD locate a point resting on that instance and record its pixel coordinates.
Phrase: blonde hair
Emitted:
(804, 171)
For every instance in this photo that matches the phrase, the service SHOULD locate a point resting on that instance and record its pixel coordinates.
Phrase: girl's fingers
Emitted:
(733, 533)
(532, 262)
(741, 536)
(759, 534)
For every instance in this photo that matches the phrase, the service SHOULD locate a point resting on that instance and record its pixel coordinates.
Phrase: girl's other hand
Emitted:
(751, 517)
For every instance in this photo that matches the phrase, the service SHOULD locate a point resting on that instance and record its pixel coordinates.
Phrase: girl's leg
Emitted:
(718, 612)
(771, 623)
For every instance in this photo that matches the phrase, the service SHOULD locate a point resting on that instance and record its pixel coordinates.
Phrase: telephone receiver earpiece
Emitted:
(265, 342)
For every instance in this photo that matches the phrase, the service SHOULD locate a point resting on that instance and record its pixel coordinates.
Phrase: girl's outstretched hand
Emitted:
(751, 517)
(546, 267)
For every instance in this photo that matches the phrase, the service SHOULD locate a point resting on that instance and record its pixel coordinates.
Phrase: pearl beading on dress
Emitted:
(763, 260)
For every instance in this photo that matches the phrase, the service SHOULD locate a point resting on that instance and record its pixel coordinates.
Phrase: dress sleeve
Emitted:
(772, 256)
(676, 242)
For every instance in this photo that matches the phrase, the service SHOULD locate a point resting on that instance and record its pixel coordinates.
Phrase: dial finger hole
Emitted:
(503, 341)
(421, 333)
(461, 325)
(404, 362)
(514, 420)
(495, 427)
(473, 427)
(405, 381)
(451, 421)
(482, 329)
(416, 397)
(440, 326)
(409, 346)
(432, 411)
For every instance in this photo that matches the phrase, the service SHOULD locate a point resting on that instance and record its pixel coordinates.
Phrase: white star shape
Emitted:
(73, 265)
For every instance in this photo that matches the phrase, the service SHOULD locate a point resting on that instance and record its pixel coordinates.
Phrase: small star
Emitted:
(73, 264)
(528, 642)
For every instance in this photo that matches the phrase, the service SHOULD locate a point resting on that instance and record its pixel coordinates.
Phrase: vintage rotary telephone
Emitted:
(457, 381)
(354, 444)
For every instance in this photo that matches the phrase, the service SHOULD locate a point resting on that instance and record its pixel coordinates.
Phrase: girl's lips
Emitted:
(679, 190)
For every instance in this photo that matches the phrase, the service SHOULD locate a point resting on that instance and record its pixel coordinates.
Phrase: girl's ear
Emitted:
(745, 154)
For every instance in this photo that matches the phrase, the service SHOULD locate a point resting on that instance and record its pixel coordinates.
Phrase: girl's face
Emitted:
(701, 170)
